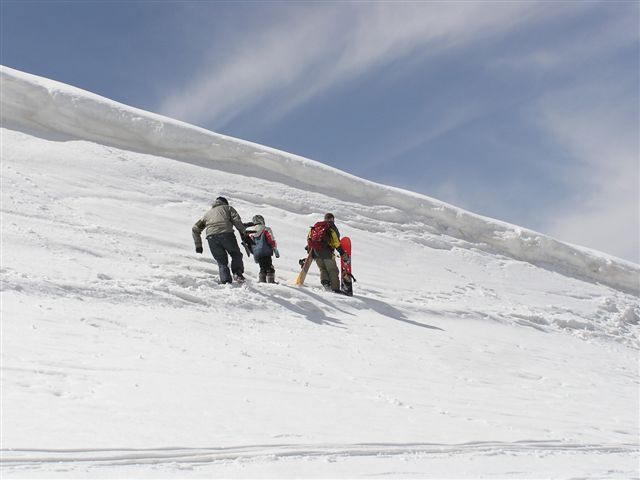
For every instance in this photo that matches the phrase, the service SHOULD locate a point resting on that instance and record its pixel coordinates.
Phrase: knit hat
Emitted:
(328, 217)
(222, 200)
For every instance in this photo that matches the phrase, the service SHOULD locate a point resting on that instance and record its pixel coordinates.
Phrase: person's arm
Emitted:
(272, 241)
(270, 238)
(334, 240)
(196, 232)
(237, 221)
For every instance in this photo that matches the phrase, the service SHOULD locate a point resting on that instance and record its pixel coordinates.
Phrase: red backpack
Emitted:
(319, 236)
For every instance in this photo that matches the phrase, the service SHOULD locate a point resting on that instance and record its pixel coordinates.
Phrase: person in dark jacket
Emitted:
(218, 225)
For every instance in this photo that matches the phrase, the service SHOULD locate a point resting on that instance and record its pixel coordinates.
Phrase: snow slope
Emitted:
(39, 102)
(472, 347)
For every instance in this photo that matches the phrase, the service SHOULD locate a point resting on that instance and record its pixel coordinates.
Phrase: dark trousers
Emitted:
(221, 245)
(266, 265)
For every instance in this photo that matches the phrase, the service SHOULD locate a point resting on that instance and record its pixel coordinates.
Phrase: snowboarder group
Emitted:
(258, 239)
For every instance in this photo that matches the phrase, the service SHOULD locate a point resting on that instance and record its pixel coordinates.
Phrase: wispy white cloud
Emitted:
(597, 124)
(266, 60)
(617, 29)
(408, 140)
(313, 48)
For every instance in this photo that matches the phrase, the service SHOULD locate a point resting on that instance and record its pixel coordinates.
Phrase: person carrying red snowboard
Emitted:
(322, 240)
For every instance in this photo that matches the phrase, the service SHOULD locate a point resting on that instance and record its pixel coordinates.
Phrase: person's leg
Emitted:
(220, 256)
(324, 274)
(334, 273)
(231, 246)
(264, 263)
(270, 271)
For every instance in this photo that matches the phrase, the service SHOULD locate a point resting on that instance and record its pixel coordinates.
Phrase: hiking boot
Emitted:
(238, 277)
(262, 277)
(271, 277)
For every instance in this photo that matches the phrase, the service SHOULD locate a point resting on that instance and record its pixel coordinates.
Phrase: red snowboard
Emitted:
(346, 277)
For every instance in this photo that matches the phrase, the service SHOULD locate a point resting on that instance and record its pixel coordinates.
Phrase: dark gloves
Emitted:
(340, 250)
(247, 239)
(276, 252)
(199, 249)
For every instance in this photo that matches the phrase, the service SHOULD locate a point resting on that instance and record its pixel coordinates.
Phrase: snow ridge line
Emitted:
(31, 101)
(130, 456)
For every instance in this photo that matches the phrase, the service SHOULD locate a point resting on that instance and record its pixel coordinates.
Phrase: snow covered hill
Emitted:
(471, 348)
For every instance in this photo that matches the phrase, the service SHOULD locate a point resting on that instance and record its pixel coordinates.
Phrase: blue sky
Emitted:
(523, 111)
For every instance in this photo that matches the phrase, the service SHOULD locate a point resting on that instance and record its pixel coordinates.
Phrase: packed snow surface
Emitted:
(472, 348)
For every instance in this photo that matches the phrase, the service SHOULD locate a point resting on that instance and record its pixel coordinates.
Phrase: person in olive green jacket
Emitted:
(218, 225)
(325, 259)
